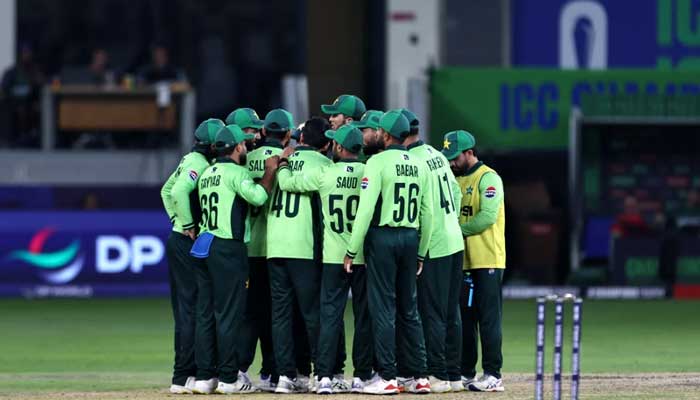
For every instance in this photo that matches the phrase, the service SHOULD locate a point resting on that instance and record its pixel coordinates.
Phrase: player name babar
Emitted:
(296, 165)
(209, 181)
(435, 163)
(406, 170)
(346, 182)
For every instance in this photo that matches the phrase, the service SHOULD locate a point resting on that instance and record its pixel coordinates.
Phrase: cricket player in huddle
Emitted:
(482, 220)
(371, 141)
(439, 285)
(338, 185)
(226, 190)
(395, 202)
(181, 202)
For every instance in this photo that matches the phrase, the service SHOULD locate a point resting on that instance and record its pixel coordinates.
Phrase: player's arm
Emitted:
(365, 210)
(488, 212)
(253, 193)
(456, 192)
(306, 182)
(426, 212)
(166, 196)
(185, 183)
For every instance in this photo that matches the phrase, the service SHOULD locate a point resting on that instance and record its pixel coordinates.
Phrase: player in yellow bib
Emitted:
(482, 220)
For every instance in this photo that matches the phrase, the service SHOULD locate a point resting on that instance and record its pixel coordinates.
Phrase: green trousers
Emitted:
(223, 279)
(334, 297)
(481, 319)
(392, 259)
(439, 287)
(258, 319)
(183, 299)
(293, 281)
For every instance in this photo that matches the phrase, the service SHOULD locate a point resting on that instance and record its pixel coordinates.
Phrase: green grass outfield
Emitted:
(122, 345)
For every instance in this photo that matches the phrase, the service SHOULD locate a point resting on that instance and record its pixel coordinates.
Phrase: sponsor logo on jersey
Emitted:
(193, 175)
(490, 192)
(349, 169)
(364, 183)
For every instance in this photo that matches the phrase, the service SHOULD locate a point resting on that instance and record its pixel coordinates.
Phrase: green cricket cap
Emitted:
(456, 142)
(347, 136)
(394, 123)
(370, 119)
(410, 116)
(279, 120)
(244, 118)
(346, 104)
(207, 130)
(231, 135)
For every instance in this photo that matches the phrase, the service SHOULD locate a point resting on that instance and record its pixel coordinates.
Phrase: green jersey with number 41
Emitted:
(290, 216)
(339, 187)
(225, 190)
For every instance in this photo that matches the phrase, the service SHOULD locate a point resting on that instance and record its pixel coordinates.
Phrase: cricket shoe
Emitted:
(186, 389)
(246, 382)
(358, 385)
(307, 385)
(456, 386)
(487, 383)
(340, 385)
(404, 383)
(420, 386)
(325, 386)
(466, 381)
(205, 386)
(439, 386)
(266, 384)
(286, 385)
(237, 387)
(380, 386)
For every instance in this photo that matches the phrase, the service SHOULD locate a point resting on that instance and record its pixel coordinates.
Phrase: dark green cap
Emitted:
(347, 136)
(244, 118)
(207, 130)
(346, 104)
(370, 119)
(456, 142)
(279, 120)
(394, 123)
(410, 116)
(231, 135)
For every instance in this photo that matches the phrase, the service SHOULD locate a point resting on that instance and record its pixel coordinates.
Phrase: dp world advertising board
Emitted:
(601, 34)
(83, 254)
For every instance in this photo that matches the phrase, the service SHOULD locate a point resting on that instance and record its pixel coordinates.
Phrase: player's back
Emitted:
(224, 213)
(258, 215)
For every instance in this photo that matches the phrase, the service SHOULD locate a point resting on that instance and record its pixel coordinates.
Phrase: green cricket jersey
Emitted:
(394, 193)
(290, 218)
(225, 190)
(258, 215)
(447, 235)
(179, 193)
(339, 187)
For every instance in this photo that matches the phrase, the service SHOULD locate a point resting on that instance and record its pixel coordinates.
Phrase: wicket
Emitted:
(558, 344)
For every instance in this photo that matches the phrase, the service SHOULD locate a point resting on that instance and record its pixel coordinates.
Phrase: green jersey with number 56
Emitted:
(339, 187)
(395, 192)
(293, 217)
(225, 190)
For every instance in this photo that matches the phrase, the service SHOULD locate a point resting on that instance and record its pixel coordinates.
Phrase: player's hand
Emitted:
(190, 233)
(287, 151)
(420, 268)
(347, 264)
(272, 163)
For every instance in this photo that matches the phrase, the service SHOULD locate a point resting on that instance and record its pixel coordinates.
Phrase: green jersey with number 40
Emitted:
(447, 235)
(395, 192)
(225, 190)
(339, 187)
(258, 215)
(290, 217)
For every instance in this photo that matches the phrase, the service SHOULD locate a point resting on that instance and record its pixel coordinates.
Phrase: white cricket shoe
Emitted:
(305, 383)
(205, 386)
(286, 385)
(487, 383)
(404, 383)
(439, 386)
(266, 384)
(358, 385)
(238, 387)
(466, 381)
(380, 386)
(420, 386)
(186, 389)
(456, 386)
(325, 386)
(340, 385)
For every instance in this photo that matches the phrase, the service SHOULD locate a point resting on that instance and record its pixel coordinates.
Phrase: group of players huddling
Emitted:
(269, 240)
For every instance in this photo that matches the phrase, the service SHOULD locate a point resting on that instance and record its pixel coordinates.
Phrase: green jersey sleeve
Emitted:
(369, 193)
(426, 213)
(490, 203)
(308, 182)
(191, 167)
(166, 197)
(250, 191)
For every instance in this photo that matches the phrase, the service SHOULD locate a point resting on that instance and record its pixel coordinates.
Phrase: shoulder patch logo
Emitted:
(268, 152)
(364, 184)
(469, 190)
(405, 157)
(193, 175)
(349, 168)
(490, 192)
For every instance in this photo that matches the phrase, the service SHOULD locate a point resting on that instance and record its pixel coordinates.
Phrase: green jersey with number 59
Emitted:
(293, 220)
(339, 187)
(225, 190)
(395, 192)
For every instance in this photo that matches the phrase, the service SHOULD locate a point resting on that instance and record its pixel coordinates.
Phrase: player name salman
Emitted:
(406, 170)
(256, 165)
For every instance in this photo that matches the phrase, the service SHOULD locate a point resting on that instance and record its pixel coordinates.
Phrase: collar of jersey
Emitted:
(415, 144)
(220, 160)
(474, 168)
(304, 147)
(395, 147)
(348, 160)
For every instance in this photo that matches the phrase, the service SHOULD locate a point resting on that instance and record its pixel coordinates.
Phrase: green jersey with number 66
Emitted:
(225, 190)
(395, 192)
(339, 187)
(293, 217)
(258, 215)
